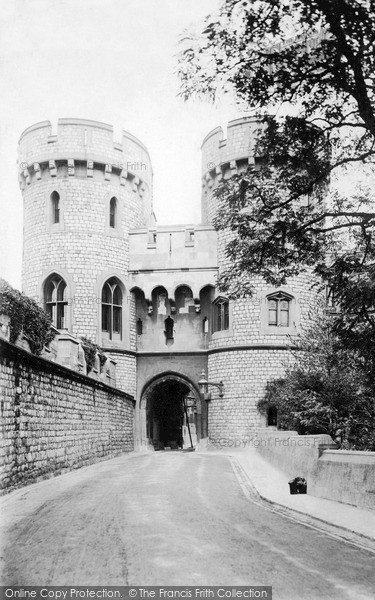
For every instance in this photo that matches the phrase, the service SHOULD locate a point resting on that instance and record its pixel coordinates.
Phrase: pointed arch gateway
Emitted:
(170, 413)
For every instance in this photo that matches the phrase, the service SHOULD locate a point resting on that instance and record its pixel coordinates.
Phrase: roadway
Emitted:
(170, 518)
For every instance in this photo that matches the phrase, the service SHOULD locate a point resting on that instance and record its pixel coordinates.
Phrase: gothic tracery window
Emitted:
(112, 308)
(55, 300)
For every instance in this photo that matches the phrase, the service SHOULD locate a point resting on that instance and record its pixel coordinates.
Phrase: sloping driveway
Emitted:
(170, 518)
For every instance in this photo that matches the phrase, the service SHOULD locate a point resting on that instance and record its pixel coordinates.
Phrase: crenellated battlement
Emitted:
(224, 157)
(218, 152)
(83, 146)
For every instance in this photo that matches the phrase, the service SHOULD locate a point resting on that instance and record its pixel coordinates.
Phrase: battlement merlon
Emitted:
(218, 152)
(84, 140)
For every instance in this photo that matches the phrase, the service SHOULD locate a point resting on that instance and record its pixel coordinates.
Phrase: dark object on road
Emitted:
(298, 485)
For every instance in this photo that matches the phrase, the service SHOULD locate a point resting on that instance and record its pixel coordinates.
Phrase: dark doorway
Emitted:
(168, 416)
(272, 416)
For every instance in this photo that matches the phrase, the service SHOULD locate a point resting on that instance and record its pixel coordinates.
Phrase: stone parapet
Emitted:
(341, 475)
(222, 158)
(85, 141)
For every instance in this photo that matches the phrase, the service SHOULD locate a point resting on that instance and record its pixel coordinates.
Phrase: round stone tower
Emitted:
(82, 192)
(251, 337)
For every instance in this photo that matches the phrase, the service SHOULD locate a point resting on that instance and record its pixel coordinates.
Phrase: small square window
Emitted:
(279, 310)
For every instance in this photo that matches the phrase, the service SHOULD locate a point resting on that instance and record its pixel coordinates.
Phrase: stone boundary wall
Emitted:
(346, 476)
(54, 419)
(341, 475)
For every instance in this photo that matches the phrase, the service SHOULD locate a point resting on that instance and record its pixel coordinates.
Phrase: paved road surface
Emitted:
(171, 518)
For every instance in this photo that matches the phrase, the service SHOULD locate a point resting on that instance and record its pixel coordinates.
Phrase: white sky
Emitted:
(112, 61)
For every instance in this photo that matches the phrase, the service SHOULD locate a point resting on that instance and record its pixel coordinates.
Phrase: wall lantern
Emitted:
(203, 386)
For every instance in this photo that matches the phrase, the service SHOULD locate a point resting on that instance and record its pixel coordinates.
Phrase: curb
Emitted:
(282, 509)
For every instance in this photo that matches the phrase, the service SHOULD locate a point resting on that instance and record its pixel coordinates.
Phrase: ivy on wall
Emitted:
(26, 317)
(90, 350)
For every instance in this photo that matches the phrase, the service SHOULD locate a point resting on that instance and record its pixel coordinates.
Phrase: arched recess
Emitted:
(206, 296)
(169, 401)
(184, 299)
(139, 324)
(160, 302)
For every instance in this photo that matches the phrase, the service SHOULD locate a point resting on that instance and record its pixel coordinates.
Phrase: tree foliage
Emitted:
(328, 389)
(307, 68)
(26, 317)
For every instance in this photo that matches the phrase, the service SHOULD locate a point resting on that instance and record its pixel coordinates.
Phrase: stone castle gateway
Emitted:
(96, 261)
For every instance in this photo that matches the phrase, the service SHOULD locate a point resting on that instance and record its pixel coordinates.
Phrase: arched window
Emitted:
(55, 301)
(279, 310)
(55, 207)
(112, 212)
(112, 308)
(220, 314)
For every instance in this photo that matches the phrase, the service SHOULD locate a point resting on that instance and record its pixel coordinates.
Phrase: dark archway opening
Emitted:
(171, 416)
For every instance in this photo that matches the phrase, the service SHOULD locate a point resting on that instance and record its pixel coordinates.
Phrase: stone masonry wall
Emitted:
(126, 368)
(82, 248)
(340, 475)
(86, 167)
(245, 374)
(54, 419)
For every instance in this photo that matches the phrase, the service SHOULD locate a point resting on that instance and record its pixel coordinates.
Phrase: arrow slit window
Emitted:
(55, 205)
(112, 212)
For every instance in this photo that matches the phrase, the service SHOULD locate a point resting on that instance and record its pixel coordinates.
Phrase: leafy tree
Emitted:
(307, 68)
(328, 389)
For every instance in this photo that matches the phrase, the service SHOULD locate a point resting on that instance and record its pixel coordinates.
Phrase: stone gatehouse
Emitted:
(95, 259)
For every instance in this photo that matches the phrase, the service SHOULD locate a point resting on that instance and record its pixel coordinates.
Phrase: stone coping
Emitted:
(39, 125)
(14, 352)
(243, 120)
(233, 123)
(85, 123)
(349, 456)
(212, 133)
